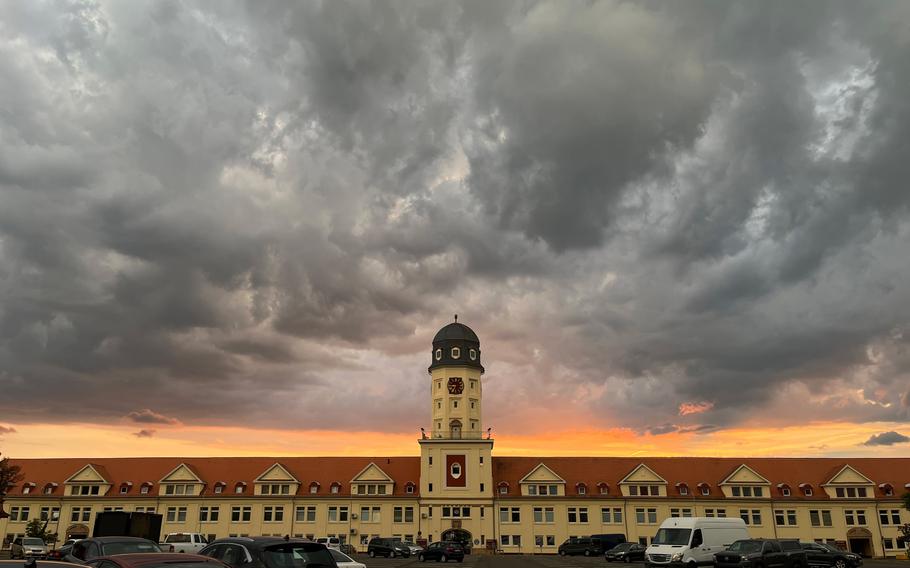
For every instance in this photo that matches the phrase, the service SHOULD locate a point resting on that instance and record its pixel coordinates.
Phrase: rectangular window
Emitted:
(640, 516)
(785, 518)
(409, 514)
(398, 515)
(365, 514)
(532, 490)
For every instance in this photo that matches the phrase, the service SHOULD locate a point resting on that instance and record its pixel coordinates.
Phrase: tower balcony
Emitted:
(455, 434)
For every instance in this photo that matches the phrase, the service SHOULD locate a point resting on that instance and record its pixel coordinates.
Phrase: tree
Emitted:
(905, 529)
(38, 529)
(10, 475)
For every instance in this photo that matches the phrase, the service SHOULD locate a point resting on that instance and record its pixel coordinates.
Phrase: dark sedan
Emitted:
(625, 552)
(820, 554)
(157, 560)
(269, 552)
(89, 548)
(442, 552)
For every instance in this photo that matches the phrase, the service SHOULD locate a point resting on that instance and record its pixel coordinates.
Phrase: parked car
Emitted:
(28, 547)
(156, 560)
(604, 542)
(330, 542)
(388, 547)
(38, 564)
(762, 553)
(183, 542)
(442, 552)
(415, 549)
(574, 546)
(65, 548)
(89, 548)
(267, 552)
(821, 554)
(625, 552)
(347, 548)
(693, 539)
(345, 561)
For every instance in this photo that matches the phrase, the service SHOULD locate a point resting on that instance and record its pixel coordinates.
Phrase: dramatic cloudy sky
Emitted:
(235, 227)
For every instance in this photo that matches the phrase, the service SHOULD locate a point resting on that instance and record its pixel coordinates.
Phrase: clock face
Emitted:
(456, 385)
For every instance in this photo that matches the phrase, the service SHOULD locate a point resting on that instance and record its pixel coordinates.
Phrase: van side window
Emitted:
(696, 538)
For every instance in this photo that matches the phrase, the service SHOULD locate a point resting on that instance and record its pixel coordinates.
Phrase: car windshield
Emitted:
(129, 547)
(622, 546)
(340, 556)
(33, 541)
(745, 546)
(672, 536)
(829, 547)
(296, 555)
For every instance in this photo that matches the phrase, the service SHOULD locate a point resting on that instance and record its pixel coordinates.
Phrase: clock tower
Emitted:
(456, 470)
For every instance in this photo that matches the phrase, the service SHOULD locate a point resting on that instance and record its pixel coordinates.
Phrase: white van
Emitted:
(693, 541)
(330, 542)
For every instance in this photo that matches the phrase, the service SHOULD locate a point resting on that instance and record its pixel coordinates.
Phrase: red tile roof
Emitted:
(693, 470)
(575, 470)
(323, 470)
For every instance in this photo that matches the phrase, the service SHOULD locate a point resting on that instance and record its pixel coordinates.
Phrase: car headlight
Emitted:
(676, 557)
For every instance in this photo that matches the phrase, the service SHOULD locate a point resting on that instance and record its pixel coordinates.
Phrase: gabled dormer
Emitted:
(88, 481)
(276, 480)
(542, 481)
(372, 481)
(745, 483)
(643, 482)
(181, 480)
(849, 483)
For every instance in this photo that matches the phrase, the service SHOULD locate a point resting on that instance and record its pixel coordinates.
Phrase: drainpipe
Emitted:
(881, 533)
(773, 512)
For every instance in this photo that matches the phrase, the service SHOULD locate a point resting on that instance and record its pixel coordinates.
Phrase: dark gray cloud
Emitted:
(144, 433)
(146, 416)
(887, 439)
(638, 206)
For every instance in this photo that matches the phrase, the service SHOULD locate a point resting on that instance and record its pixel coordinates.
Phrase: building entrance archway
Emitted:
(76, 531)
(859, 541)
(460, 536)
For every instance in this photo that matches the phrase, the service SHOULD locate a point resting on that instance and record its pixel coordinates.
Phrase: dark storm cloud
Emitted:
(640, 207)
(146, 416)
(886, 439)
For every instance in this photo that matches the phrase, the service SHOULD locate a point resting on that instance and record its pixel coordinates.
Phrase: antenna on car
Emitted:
(456, 318)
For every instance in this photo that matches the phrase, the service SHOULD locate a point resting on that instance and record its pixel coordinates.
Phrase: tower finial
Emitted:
(456, 318)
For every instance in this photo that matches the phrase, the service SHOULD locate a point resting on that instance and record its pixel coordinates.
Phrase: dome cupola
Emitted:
(456, 345)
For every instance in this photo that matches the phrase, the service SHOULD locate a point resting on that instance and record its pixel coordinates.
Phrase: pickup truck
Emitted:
(762, 553)
(183, 542)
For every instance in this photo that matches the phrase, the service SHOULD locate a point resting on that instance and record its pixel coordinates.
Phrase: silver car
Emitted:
(28, 547)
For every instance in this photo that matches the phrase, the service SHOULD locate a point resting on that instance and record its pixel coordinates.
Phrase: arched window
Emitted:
(219, 486)
(473, 354)
(125, 487)
(146, 487)
(581, 488)
(456, 353)
(335, 488)
(503, 488)
(314, 487)
(438, 354)
(455, 470)
(455, 428)
(704, 488)
(240, 487)
(409, 487)
(683, 488)
(603, 488)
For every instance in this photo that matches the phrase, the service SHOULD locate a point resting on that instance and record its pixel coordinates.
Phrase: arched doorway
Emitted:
(76, 531)
(460, 536)
(455, 428)
(859, 541)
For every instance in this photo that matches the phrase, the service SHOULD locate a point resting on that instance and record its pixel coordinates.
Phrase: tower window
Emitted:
(454, 404)
(456, 470)
(472, 354)
(456, 353)
(439, 354)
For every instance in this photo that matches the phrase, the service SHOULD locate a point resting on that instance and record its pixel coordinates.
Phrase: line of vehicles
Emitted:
(693, 542)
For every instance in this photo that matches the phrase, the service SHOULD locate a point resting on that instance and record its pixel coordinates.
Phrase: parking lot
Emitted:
(552, 561)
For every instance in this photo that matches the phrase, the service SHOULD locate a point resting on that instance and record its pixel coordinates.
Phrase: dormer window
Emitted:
(409, 488)
(240, 487)
(850, 492)
(314, 487)
(503, 488)
(604, 488)
(145, 488)
(27, 488)
(887, 489)
(704, 488)
(456, 353)
(219, 487)
(438, 354)
(335, 488)
(683, 488)
(472, 354)
(807, 489)
(582, 489)
(125, 487)
(784, 489)
(49, 488)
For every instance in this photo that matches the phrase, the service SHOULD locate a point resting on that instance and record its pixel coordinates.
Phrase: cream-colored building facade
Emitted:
(457, 488)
